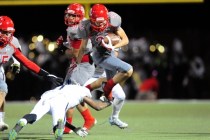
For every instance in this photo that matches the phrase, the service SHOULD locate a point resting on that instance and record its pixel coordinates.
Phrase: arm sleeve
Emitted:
(26, 62)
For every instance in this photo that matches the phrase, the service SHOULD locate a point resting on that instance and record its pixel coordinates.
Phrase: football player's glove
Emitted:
(81, 132)
(108, 45)
(104, 99)
(57, 81)
(15, 68)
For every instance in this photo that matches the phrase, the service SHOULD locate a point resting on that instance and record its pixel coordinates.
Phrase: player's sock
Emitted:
(89, 87)
(89, 119)
(117, 106)
(2, 116)
(66, 129)
(108, 88)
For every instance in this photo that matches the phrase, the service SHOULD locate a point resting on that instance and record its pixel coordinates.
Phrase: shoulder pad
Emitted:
(15, 42)
(114, 19)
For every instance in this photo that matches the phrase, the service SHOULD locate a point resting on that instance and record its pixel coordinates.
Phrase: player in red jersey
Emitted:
(10, 47)
(100, 24)
(77, 73)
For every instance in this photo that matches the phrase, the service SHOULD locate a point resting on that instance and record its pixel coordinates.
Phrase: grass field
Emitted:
(161, 120)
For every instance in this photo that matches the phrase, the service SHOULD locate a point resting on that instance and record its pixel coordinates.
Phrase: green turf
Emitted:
(147, 121)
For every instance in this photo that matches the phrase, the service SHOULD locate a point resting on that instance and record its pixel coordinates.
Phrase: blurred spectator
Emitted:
(177, 70)
(195, 79)
(148, 89)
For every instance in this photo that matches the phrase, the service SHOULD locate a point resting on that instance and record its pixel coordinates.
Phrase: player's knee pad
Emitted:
(31, 118)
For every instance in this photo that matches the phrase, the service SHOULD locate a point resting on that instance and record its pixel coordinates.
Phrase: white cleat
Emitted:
(3, 126)
(118, 122)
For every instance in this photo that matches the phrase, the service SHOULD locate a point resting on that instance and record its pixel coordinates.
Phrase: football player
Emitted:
(77, 73)
(56, 102)
(9, 46)
(117, 71)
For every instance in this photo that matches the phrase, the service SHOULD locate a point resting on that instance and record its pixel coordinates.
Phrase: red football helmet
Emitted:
(74, 14)
(6, 30)
(99, 17)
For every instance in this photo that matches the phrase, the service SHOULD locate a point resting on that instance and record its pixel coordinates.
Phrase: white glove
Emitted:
(108, 45)
(81, 132)
(15, 68)
(104, 99)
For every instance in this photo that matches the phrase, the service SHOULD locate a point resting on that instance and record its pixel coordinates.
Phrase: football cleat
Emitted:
(12, 135)
(59, 130)
(14, 132)
(118, 122)
(3, 126)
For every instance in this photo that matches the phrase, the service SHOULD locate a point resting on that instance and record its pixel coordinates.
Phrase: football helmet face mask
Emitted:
(99, 17)
(74, 14)
(6, 30)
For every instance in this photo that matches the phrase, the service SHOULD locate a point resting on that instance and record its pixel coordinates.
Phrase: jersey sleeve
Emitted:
(16, 43)
(26, 62)
(114, 19)
(83, 29)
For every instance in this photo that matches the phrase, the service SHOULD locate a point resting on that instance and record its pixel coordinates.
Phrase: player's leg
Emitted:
(95, 83)
(28, 118)
(89, 120)
(113, 65)
(3, 125)
(80, 75)
(118, 102)
(69, 117)
(58, 110)
(39, 110)
(3, 93)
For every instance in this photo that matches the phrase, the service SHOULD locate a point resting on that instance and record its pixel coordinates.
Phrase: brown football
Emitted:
(114, 38)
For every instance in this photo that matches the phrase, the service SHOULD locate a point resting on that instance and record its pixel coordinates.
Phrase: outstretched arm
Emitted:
(36, 69)
(97, 105)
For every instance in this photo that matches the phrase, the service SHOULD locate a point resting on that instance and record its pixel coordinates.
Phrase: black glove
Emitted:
(15, 68)
(57, 81)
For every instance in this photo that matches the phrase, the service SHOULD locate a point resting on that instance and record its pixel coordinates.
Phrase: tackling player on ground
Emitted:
(56, 102)
(9, 46)
(77, 73)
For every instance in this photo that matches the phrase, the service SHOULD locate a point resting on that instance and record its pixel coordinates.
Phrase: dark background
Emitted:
(157, 22)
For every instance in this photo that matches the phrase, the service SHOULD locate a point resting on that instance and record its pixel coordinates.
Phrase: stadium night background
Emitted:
(182, 75)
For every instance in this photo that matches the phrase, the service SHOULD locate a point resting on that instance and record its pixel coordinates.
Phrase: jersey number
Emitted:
(4, 58)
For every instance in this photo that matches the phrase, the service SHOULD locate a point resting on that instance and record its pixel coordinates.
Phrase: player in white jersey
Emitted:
(10, 47)
(56, 102)
(99, 25)
(77, 73)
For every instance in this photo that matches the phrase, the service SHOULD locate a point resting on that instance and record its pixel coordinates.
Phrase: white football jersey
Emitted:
(71, 94)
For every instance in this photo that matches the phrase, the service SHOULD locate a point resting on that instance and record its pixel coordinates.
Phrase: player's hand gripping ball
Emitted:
(110, 40)
(113, 37)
